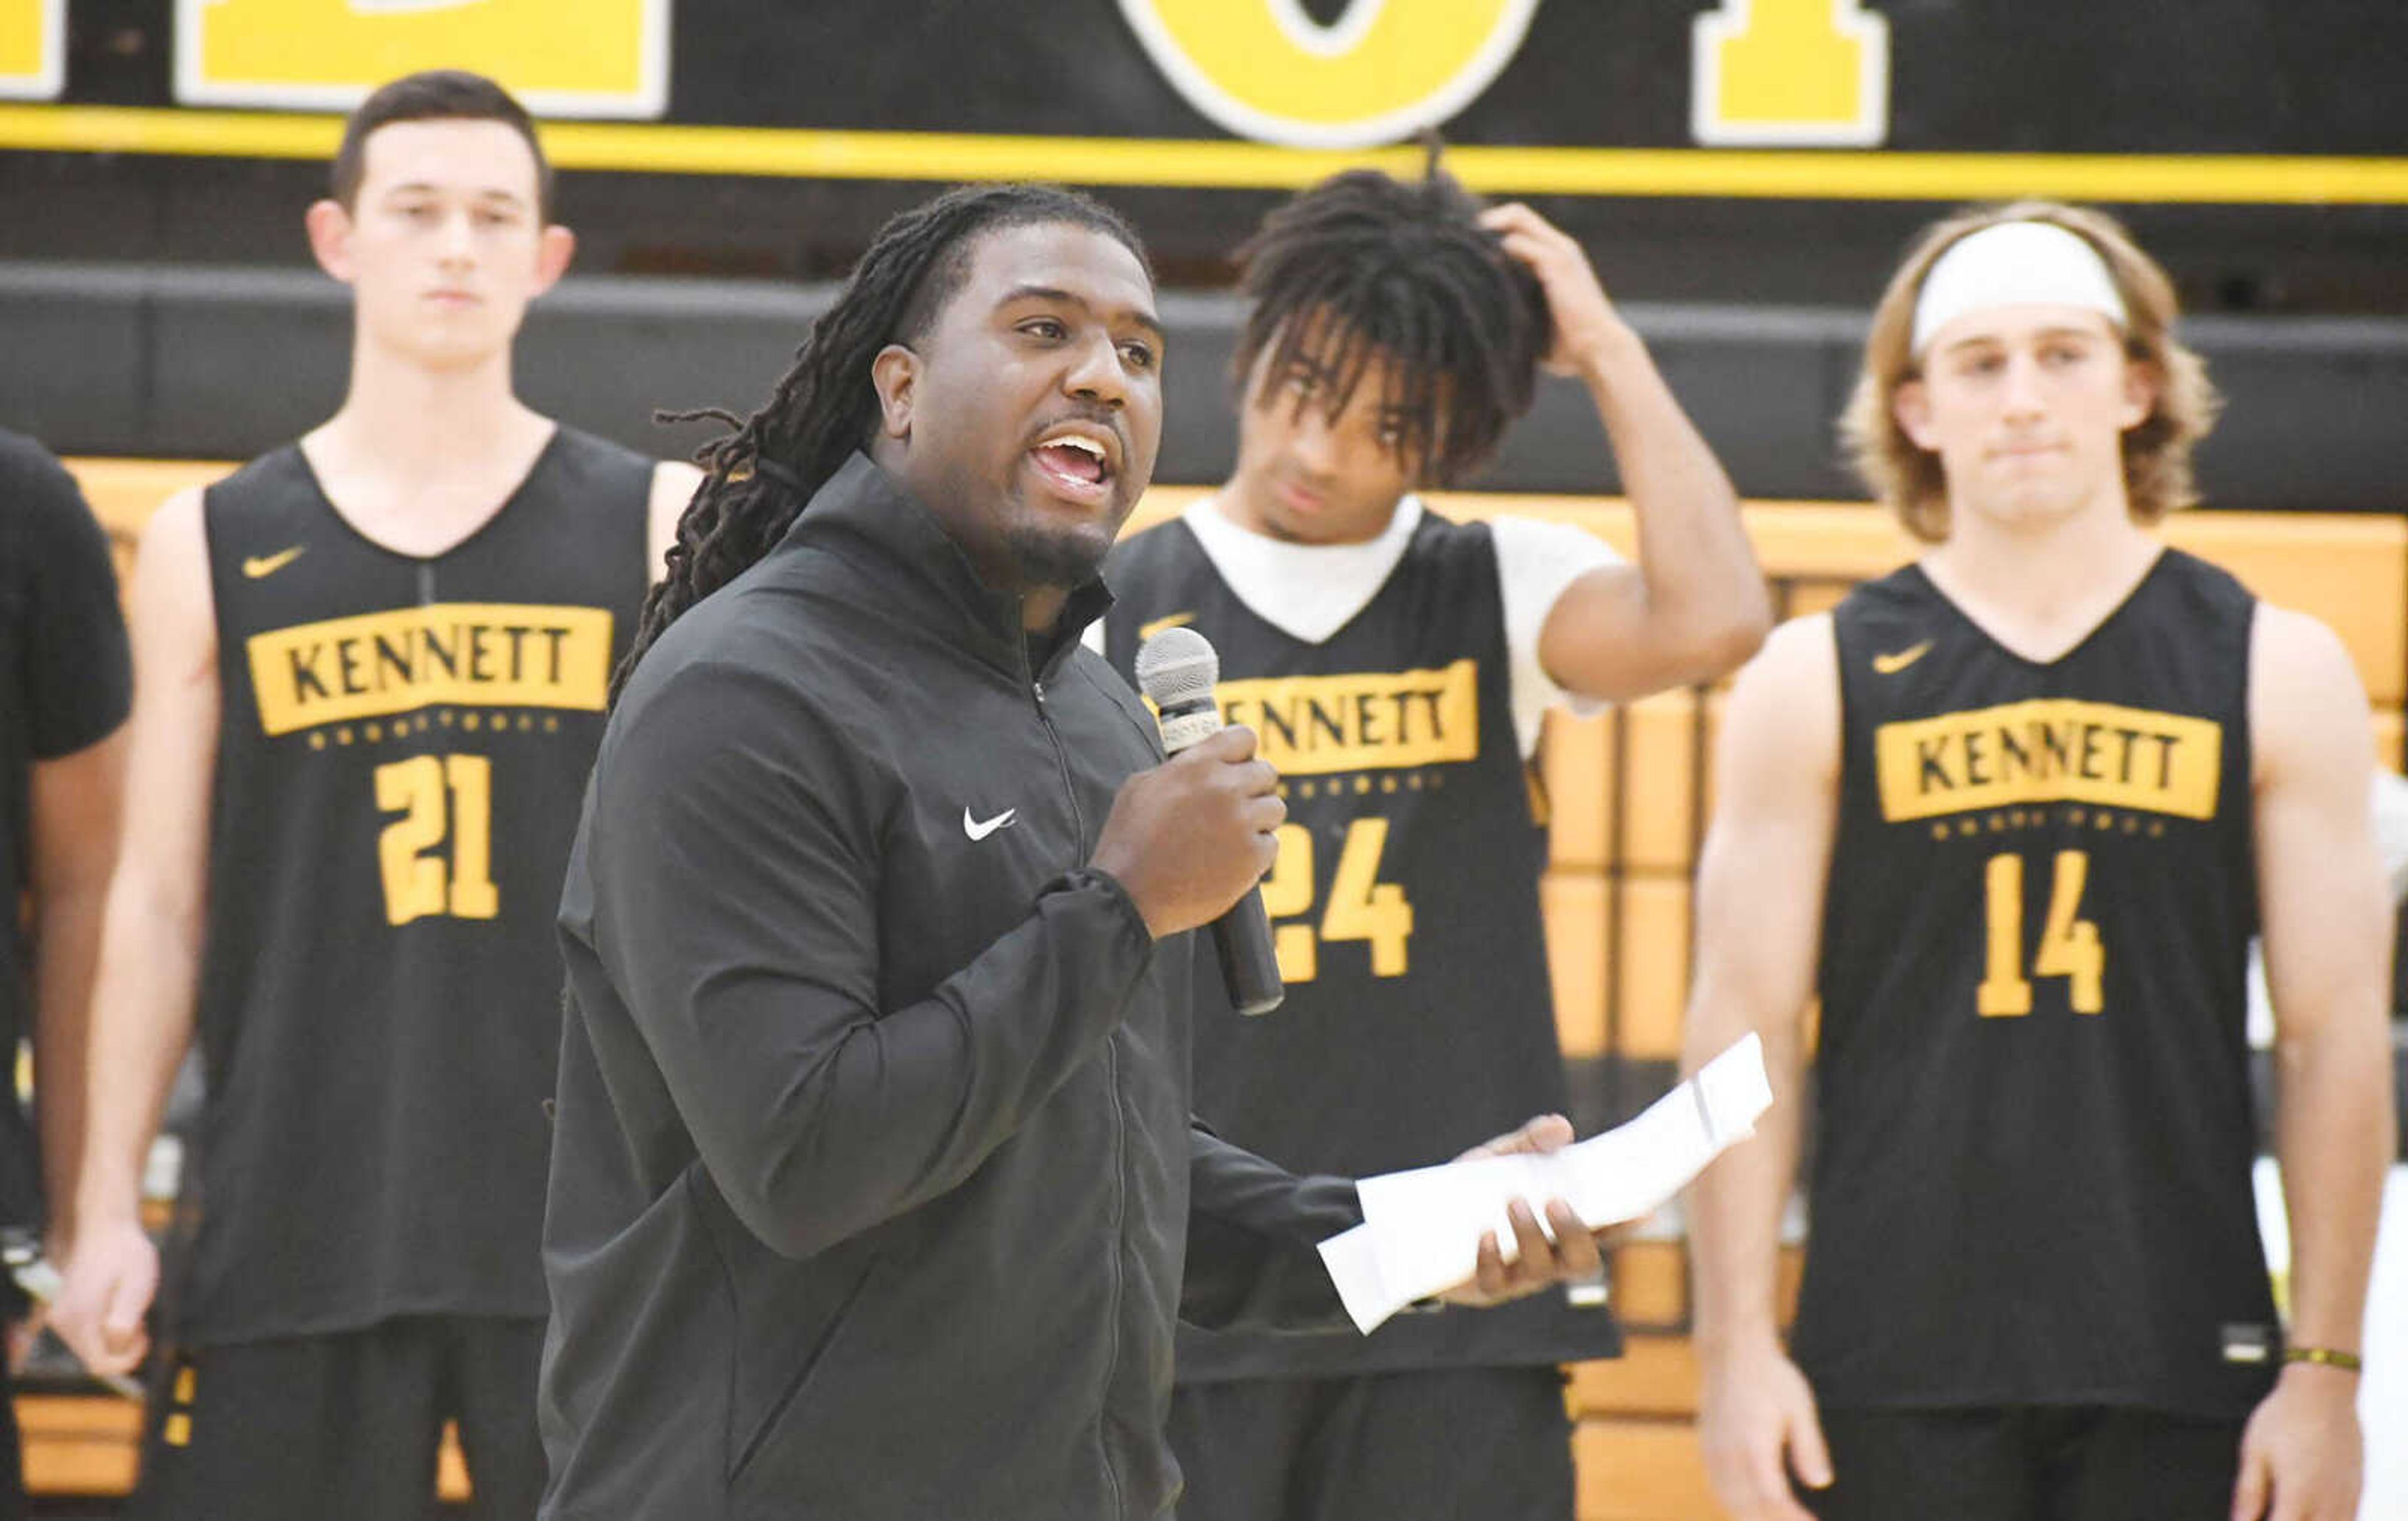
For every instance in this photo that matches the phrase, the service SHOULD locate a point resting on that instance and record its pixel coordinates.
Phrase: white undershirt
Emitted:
(1309, 592)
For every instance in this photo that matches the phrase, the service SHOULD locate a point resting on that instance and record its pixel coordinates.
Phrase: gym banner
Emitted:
(562, 57)
(1380, 71)
(2268, 101)
(33, 49)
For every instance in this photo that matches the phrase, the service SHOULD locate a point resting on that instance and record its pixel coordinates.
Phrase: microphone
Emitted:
(1177, 668)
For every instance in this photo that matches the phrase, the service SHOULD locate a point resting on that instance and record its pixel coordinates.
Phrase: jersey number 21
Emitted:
(437, 797)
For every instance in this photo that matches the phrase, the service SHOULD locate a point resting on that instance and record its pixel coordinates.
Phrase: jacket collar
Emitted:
(921, 563)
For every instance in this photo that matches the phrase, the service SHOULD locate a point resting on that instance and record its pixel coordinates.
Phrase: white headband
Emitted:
(2014, 263)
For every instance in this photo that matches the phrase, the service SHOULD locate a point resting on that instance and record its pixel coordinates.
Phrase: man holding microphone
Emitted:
(874, 1191)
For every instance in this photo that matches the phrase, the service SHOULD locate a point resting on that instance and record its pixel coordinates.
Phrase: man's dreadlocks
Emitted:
(1365, 266)
(759, 477)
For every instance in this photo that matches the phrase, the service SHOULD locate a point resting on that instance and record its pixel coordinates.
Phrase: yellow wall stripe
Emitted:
(806, 153)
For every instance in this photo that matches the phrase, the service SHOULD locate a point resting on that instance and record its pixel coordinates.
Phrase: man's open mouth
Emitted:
(1079, 462)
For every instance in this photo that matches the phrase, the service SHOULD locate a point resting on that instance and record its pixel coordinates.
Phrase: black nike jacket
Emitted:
(873, 1174)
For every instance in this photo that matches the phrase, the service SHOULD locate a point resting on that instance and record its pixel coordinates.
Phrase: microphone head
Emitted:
(1177, 668)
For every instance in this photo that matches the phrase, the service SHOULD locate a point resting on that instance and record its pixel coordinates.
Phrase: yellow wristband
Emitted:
(2324, 1358)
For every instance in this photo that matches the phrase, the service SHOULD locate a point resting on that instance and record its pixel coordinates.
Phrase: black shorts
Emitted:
(1437, 1445)
(12, 1458)
(2027, 1463)
(348, 1425)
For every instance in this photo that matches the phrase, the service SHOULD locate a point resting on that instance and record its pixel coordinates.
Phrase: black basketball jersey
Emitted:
(401, 758)
(1419, 1019)
(2034, 1129)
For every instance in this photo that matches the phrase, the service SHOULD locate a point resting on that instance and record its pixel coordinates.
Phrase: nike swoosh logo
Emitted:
(1891, 665)
(259, 565)
(980, 829)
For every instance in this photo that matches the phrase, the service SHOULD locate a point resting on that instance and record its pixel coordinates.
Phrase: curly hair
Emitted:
(1909, 479)
(1364, 267)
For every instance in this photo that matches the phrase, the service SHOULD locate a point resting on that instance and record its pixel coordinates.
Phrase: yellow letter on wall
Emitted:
(33, 49)
(1267, 70)
(559, 57)
(1789, 72)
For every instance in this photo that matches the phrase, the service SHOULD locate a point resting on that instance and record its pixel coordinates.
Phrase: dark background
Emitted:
(2284, 76)
(165, 306)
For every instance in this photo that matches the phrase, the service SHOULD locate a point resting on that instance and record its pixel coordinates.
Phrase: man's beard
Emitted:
(1061, 558)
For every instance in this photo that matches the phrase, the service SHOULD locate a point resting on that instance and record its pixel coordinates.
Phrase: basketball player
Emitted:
(64, 688)
(1397, 666)
(2012, 814)
(372, 670)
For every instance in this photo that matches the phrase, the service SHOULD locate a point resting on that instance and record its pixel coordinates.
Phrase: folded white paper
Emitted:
(1420, 1229)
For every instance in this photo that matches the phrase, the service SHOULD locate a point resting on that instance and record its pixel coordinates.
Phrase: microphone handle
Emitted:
(1248, 964)
(1242, 936)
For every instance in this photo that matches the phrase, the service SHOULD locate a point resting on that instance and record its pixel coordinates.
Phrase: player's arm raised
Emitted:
(151, 938)
(2326, 919)
(1694, 604)
(1759, 910)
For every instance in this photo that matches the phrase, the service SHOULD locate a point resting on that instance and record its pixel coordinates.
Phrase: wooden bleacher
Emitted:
(1630, 799)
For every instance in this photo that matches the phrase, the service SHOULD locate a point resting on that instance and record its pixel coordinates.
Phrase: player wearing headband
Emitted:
(2012, 814)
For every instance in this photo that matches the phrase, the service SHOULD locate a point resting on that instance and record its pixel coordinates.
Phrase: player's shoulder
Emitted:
(1153, 563)
(1799, 649)
(1437, 532)
(1797, 673)
(2202, 589)
(1166, 535)
(2288, 645)
(1904, 589)
(590, 467)
(271, 478)
(1784, 714)
(608, 452)
(2193, 570)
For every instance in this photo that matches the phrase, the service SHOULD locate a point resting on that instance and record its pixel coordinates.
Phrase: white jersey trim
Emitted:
(1309, 592)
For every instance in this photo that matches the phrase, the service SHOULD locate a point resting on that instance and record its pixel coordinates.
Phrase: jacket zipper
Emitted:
(1061, 762)
(1112, 1098)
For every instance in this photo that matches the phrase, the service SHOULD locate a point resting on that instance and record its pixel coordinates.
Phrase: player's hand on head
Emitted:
(1757, 1429)
(2302, 1457)
(1584, 322)
(1187, 839)
(107, 1290)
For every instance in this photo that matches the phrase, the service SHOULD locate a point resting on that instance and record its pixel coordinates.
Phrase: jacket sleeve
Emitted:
(1253, 1238)
(735, 867)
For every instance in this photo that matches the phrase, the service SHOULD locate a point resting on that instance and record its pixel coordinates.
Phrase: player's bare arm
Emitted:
(151, 939)
(1694, 604)
(673, 484)
(74, 817)
(1760, 885)
(2321, 900)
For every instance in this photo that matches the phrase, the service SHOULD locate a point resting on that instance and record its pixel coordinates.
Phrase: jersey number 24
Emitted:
(1361, 907)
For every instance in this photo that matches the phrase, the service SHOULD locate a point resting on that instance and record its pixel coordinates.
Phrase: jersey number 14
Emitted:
(2068, 944)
